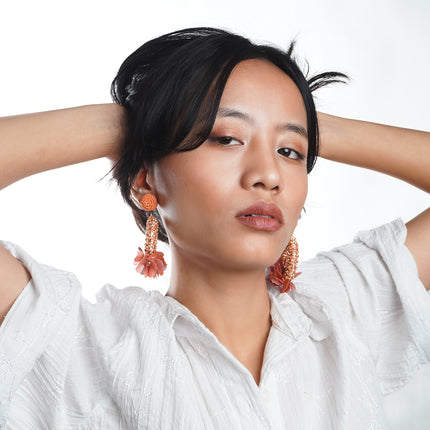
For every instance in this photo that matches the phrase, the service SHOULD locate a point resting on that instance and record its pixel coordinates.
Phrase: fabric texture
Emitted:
(356, 329)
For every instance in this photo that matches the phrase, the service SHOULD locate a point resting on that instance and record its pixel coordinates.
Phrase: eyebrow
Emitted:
(224, 112)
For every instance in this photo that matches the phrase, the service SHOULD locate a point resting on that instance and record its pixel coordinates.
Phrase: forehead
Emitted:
(259, 85)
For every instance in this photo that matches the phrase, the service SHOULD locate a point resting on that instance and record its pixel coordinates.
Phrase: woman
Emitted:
(212, 138)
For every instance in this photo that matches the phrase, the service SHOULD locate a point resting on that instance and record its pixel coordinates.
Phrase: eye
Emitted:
(287, 151)
(223, 140)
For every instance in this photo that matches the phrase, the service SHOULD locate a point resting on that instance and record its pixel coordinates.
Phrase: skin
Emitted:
(218, 264)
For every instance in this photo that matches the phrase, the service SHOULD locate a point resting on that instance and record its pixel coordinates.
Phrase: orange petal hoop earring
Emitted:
(283, 271)
(150, 263)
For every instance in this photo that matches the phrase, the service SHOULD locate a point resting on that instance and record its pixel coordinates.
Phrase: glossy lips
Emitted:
(262, 216)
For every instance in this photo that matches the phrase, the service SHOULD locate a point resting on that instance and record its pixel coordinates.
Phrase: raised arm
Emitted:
(398, 152)
(42, 141)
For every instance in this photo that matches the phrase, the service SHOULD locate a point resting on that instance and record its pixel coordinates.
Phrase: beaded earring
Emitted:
(284, 270)
(150, 263)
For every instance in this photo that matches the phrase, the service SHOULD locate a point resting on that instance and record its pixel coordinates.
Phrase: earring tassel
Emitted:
(151, 262)
(283, 271)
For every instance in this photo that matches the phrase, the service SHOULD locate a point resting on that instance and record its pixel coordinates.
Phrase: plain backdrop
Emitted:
(57, 54)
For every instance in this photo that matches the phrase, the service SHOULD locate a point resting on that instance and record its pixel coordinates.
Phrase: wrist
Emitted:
(329, 133)
(111, 123)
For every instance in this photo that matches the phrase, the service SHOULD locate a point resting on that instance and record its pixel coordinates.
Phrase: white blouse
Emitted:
(357, 328)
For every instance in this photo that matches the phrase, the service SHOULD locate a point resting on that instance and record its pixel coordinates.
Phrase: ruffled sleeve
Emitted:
(383, 298)
(42, 321)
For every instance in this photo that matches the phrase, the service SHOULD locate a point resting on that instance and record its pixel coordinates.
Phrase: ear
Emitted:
(141, 186)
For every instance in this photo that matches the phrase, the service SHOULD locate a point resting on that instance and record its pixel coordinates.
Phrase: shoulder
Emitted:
(369, 290)
(123, 313)
(53, 339)
(346, 282)
(372, 252)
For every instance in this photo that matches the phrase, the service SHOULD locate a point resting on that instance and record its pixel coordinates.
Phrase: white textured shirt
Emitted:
(356, 329)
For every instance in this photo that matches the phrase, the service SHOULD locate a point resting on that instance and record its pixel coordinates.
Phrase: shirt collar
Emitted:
(287, 316)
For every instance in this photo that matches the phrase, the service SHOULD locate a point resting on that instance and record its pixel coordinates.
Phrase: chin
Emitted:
(252, 259)
(241, 250)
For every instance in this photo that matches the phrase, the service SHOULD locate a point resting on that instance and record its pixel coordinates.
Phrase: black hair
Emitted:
(171, 87)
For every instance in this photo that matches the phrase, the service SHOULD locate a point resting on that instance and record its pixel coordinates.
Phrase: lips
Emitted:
(261, 216)
(263, 209)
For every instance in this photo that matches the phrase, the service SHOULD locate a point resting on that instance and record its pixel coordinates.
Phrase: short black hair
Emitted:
(172, 85)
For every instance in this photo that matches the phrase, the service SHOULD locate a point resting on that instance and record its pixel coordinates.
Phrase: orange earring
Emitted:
(283, 271)
(150, 263)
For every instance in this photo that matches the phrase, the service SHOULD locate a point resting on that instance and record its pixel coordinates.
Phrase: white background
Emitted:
(62, 54)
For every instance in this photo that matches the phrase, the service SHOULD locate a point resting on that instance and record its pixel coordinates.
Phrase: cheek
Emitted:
(303, 189)
(186, 186)
(297, 194)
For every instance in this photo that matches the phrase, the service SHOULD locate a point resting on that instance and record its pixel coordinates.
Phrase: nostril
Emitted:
(261, 184)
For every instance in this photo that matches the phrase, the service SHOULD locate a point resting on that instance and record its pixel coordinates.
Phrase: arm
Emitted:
(42, 141)
(398, 152)
(36, 142)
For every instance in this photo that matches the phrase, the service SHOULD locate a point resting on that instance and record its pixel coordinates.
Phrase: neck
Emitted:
(233, 304)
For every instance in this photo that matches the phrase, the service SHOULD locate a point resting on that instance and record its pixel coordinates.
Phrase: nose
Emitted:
(260, 167)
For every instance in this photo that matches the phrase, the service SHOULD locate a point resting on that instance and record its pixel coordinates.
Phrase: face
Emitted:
(256, 153)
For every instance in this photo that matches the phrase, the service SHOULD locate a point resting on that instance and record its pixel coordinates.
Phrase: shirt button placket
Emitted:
(265, 396)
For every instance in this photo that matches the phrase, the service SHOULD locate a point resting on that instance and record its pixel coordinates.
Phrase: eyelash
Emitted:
(221, 141)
